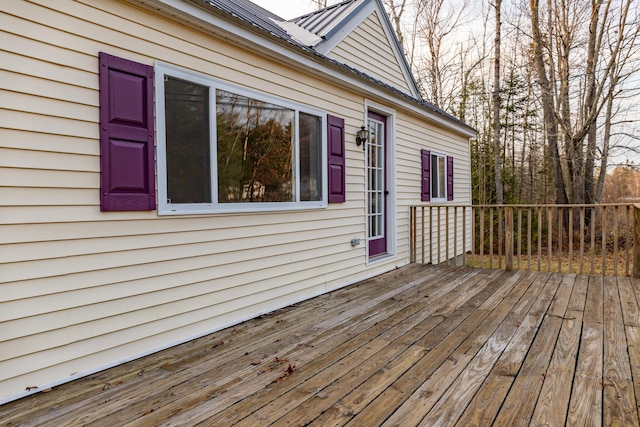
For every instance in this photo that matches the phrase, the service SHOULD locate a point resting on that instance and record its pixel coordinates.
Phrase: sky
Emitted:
(287, 8)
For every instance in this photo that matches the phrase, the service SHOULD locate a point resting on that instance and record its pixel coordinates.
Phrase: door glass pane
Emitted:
(375, 175)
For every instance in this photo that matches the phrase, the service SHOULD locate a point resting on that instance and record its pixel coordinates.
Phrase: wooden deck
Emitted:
(422, 345)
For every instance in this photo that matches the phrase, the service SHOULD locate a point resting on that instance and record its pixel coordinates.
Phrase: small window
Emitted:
(225, 148)
(438, 177)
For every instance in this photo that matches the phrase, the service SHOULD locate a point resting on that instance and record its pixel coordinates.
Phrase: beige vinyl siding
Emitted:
(412, 136)
(409, 161)
(81, 289)
(367, 49)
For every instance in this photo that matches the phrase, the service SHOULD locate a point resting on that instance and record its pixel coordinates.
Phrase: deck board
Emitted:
(585, 408)
(551, 408)
(619, 399)
(422, 345)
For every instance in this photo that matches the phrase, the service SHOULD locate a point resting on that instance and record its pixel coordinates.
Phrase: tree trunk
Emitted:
(592, 49)
(496, 109)
(605, 149)
(551, 126)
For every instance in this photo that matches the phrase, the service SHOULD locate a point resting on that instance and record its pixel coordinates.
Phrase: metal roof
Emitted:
(253, 14)
(327, 21)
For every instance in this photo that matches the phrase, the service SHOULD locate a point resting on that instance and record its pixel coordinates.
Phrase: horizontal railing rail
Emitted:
(585, 239)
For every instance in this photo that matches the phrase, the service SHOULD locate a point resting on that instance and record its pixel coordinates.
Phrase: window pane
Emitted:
(434, 177)
(187, 145)
(255, 150)
(310, 157)
(442, 179)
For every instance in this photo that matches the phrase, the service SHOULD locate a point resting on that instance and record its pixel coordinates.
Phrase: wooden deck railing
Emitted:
(585, 239)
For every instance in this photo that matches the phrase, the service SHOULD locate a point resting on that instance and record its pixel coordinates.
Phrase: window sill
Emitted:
(237, 208)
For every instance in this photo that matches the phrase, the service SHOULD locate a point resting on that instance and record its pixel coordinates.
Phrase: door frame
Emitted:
(391, 184)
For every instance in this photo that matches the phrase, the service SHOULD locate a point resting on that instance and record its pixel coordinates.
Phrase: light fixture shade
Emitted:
(362, 135)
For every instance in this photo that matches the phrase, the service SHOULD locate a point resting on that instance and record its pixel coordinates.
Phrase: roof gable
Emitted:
(366, 49)
(346, 30)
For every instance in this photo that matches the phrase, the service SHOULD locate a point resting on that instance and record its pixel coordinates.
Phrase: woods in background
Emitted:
(552, 88)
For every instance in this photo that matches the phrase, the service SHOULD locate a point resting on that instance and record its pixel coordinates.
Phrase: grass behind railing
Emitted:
(561, 265)
(586, 239)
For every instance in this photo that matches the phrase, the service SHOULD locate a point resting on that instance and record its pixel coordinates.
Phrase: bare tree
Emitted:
(496, 106)
(395, 9)
(549, 105)
(551, 125)
(580, 57)
(448, 52)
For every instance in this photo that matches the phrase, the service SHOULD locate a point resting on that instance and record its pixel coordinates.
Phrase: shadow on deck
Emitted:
(422, 345)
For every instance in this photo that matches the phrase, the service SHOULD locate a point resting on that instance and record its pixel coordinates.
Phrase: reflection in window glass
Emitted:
(255, 150)
(187, 141)
(256, 154)
(442, 179)
(310, 157)
(434, 177)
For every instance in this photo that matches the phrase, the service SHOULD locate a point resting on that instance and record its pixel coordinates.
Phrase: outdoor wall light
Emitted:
(361, 136)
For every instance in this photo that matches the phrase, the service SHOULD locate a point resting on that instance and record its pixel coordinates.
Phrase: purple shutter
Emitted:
(127, 173)
(449, 178)
(425, 195)
(336, 157)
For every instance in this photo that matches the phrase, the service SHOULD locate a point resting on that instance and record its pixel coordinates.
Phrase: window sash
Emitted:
(438, 177)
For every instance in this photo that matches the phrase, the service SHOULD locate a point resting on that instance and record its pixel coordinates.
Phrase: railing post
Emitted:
(636, 241)
(423, 233)
(411, 230)
(508, 238)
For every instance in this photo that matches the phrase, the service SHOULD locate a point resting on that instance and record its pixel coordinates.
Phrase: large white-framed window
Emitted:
(438, 177)
(225, 148)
